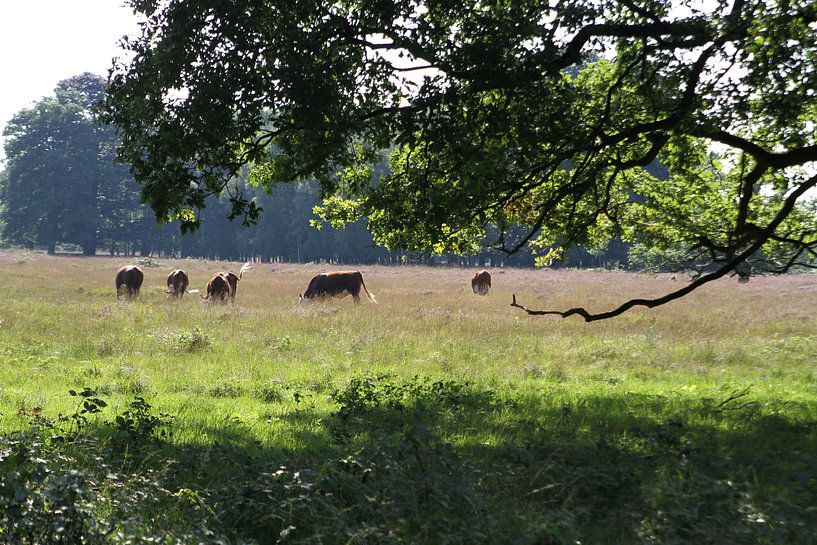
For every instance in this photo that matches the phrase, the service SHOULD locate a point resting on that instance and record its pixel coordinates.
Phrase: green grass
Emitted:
(436, 416)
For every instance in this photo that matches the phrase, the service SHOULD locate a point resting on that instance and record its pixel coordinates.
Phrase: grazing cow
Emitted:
(481, 282)
(233, 278)
(223, 285)
(177, 282)
(128, 281)
(218, 288)
(332, 284)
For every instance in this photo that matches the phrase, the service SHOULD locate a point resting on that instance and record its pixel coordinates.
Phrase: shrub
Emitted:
(148, 262)
(140, 424)
(46, 498)
(272, 392)
(186, 341)
(227, 388)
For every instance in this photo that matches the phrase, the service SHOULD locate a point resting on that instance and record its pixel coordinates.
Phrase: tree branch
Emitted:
(746, 194)
(697, 32)
(635, 8)
(763, 235)
(789, 158)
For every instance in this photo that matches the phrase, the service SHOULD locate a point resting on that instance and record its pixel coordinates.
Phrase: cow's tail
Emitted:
(368, 294)
(244, 268)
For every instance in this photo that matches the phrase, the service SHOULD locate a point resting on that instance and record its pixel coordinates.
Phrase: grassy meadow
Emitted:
(435, 416)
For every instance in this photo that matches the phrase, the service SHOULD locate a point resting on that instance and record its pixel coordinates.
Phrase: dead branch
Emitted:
(760, 238)
(649, 303)
(734, 396)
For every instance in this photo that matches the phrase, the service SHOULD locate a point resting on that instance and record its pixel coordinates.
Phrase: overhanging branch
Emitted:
(649, 303)
(785, 159)
(762, 236)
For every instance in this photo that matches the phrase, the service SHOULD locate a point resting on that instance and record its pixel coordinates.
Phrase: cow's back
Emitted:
(129, 278)
(177, 283)
(232, 279)
(481, 282)
(218, 287)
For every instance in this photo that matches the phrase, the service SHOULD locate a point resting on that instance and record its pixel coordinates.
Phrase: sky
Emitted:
(45, 41)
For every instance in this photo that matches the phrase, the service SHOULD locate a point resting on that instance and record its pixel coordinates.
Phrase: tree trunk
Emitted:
(146, 248)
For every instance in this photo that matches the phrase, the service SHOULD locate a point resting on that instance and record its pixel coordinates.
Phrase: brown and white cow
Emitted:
(481, 282)
(232, 284)
(218, 289)
(128, 281)
(233, 278)
(333, 284)
(177, 282)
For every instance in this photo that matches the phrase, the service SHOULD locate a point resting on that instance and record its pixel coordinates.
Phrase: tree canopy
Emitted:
(63, 190)
(61, 184)
(527, 113)
(56, 168)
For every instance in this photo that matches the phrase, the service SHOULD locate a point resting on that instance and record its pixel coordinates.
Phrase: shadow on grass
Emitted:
(418, 461)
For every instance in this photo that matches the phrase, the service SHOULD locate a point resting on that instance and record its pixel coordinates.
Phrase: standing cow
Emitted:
(481, 282)
(218, 289)
(177, 282)
(332, 284)
(233, 278)
(215, 286)
(128, 281)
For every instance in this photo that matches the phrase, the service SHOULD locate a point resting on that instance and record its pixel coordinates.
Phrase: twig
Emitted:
(543, 312)
(735, 395)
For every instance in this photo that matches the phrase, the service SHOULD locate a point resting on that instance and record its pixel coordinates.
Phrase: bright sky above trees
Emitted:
(45, 41)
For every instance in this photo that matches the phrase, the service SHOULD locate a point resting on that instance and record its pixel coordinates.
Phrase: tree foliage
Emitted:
(497, 113)
(61, 184)
(62, 189)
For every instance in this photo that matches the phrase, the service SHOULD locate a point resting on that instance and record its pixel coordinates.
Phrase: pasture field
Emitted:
(435, 416)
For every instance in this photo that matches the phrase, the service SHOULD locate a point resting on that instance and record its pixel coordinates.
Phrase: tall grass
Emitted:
(457, 406)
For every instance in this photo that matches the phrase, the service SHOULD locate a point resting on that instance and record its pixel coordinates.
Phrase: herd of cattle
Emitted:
(222, 285)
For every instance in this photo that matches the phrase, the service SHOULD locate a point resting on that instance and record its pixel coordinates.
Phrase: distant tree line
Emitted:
(62, 190)
(60, 185)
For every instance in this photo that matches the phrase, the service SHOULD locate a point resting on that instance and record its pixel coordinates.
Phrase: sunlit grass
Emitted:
(62, 326)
